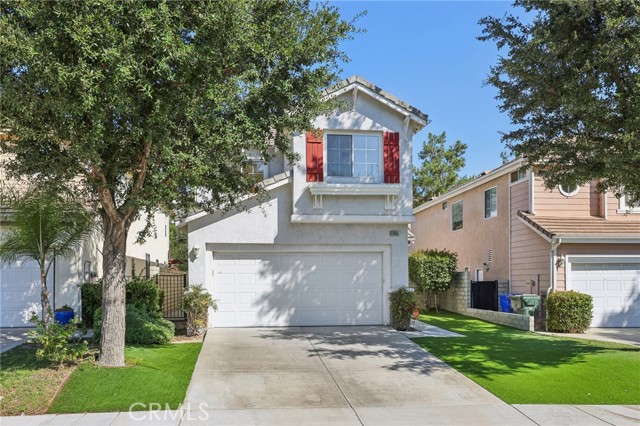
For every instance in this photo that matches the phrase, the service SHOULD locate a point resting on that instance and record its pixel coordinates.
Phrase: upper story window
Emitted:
(491, 202)
(623, 207)
(353, 158)
(518, 175)
(256, 170)
(456, 215)
(568, 190)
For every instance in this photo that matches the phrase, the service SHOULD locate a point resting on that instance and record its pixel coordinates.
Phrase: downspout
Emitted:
(54, 283)
(555, 243)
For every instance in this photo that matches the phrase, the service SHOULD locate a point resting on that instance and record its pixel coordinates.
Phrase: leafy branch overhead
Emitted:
(569, 78)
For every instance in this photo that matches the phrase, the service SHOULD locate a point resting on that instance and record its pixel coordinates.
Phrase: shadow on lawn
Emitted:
(382, 346)
(490, 349)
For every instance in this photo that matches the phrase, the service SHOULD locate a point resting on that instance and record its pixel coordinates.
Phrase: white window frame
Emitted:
(453, 205)
(492, 213)
(568, 194)
(343, 179)
(257, 158)
(624, 209)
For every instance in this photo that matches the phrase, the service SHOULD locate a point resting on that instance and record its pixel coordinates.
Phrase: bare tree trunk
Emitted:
(44, 296)
(113, 292)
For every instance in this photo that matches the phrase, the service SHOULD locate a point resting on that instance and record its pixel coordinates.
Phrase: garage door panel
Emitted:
(279, 289)
(615, 289)
(20, 285)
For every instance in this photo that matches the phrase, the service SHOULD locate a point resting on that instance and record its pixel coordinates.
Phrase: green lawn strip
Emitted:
(154, 374)
(26, 384)
(527, 368)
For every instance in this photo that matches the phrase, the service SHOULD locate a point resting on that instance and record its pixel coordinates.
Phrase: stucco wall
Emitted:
(157, 246)
(266, 226)
(432, 229)
(530, 253)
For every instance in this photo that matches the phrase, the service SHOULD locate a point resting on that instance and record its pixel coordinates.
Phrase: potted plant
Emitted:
(64, 315)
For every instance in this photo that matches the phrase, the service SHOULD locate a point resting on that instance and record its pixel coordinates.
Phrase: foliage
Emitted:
(570, 82)
(403, 302)
(518, 366)
(142, 327)
(569, 311)
(158, 374)
(178, 247)
(141, 292)
(45, 225)
(196, 303)
(432, 271)
(54, 342)
(141, 105)
(439, 170)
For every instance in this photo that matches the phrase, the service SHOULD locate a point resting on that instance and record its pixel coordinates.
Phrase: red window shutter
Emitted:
(315, 165)
(391, 157)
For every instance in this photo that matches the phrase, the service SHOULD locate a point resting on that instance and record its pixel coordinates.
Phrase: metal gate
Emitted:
(484, 295)
(172, 287)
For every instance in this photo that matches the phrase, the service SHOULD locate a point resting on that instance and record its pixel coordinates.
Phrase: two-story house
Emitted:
(506, 226)
(20, 281)
(331, 241)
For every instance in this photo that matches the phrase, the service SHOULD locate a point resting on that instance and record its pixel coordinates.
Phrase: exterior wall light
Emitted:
(196, 251)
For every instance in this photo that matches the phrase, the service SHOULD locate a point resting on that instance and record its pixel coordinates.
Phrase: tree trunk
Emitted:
(44, 296)
(113, 292)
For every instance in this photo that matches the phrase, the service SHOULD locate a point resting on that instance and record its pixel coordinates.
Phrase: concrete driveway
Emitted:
(334, 375)
(12, 337)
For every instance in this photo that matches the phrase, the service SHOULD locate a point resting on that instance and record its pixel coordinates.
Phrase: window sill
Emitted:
(355, 188)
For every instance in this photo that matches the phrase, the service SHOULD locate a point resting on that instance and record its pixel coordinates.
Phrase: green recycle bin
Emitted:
(524, 304)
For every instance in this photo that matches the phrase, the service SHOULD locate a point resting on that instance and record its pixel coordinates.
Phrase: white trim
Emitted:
(532, 199)
(604, 239)
(360, 219)
(568, 194)
(606, 205)
(504, 169)
(594, 258)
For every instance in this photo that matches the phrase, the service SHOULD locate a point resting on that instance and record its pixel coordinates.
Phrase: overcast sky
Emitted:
(427, 54)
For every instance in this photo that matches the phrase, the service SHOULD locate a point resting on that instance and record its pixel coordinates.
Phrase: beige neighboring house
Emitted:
(20, 281)
(506, 226)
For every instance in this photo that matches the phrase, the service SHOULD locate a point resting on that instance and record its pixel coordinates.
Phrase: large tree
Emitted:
(140, 105)
(44, 225)
(440, 167)
(570, 81)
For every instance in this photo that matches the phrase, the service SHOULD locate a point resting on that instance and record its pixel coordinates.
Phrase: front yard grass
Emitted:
(154, 375)
(521, 367)
(26, 384)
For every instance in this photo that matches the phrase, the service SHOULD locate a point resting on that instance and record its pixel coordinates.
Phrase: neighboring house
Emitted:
(506, 226)
(20, 281)
(331, 240)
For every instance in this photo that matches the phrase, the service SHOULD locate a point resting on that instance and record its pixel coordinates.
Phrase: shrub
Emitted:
(569, 311)
(432, 271)
(196, 304)
(403, 302)
(142, 327)
(54, 342)
(141, 292)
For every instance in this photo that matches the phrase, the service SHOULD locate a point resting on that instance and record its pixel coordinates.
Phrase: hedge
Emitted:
(569, 311)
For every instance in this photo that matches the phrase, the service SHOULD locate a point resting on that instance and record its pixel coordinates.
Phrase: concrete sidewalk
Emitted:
(627, 336)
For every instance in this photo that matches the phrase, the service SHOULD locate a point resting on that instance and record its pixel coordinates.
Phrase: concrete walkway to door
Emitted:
(343, 375)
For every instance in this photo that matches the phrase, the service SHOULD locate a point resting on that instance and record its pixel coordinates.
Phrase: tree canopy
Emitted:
(144, 105)
(439, 170)
(569, 79)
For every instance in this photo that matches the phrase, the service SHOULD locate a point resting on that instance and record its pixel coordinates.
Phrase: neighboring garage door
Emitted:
(615, 288)
(20, 287)
(294, 289)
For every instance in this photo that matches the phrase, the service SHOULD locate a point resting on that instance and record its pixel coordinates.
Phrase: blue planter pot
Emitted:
(63, 317)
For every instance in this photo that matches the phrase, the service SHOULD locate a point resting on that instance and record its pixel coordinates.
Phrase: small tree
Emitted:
(196, 304)
(45, 225)
(431, 271)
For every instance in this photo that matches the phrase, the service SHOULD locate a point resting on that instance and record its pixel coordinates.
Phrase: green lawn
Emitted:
(527, 368)
(155, 374)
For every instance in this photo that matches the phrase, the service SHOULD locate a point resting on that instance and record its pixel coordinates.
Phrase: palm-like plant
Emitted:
(45, 225)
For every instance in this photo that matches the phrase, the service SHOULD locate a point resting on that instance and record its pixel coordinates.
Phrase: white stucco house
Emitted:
(331, 240)
(20, 281)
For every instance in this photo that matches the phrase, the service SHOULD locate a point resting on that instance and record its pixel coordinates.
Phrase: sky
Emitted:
(427, 54)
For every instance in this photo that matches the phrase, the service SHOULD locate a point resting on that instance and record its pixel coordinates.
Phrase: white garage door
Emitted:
(615, 288)
(20, 286)
(294, 289)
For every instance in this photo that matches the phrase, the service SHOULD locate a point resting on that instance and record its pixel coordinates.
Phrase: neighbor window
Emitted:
(625, 208)
(518, 175)
(568, 190)
(491, 202)
(456, 215)
(353, 156)
(256, 171)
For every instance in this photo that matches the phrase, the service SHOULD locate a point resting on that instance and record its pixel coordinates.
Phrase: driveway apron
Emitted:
(334, 375)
